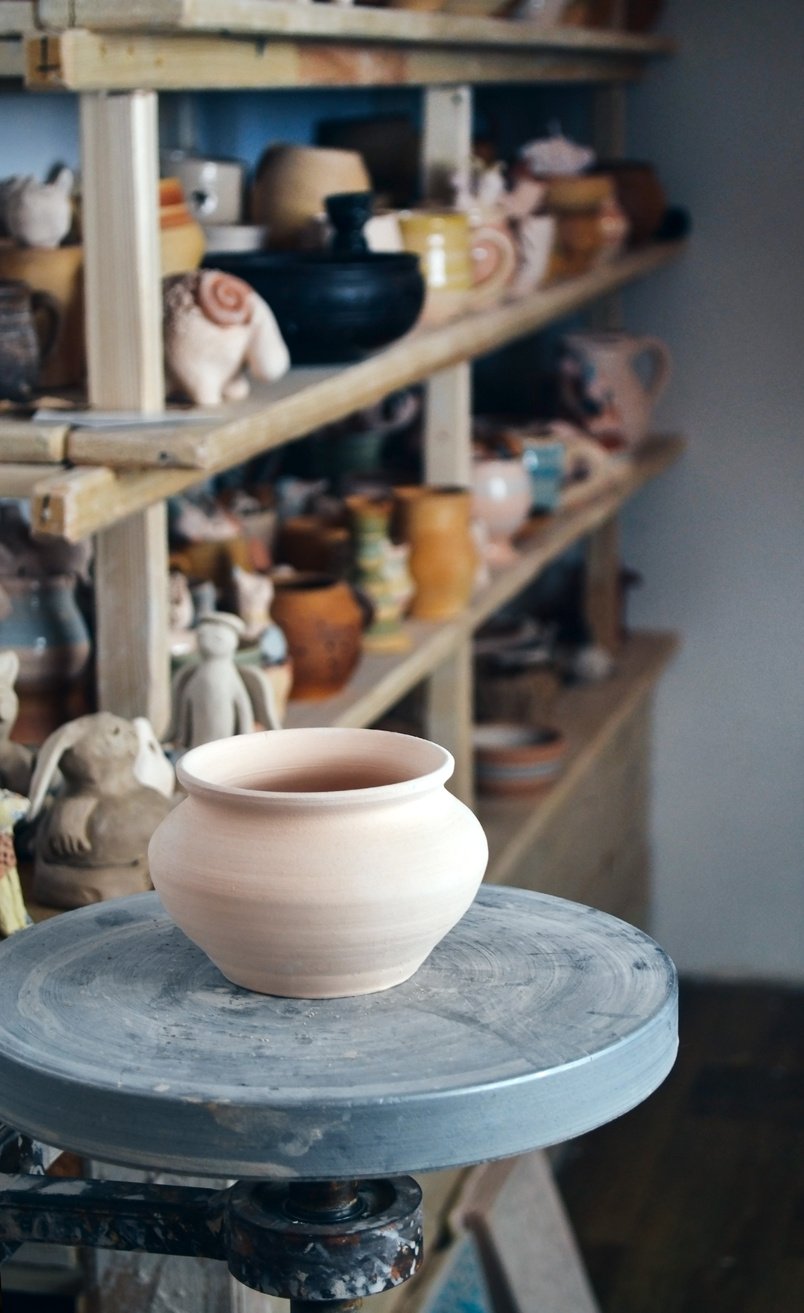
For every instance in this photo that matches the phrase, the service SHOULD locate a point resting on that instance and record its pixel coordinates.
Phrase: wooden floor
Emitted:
(694, 1202)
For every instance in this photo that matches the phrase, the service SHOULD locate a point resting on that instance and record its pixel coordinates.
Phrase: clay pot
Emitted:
(501, 499)
(640, 195)
(292, 182)
(323, 624)
(21, 349)
(181, 237)
(435, 521)
(318, 863)
(511, 758)
(59, 272)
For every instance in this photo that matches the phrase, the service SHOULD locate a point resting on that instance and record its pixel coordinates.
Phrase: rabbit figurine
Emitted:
(214, 326)
(16, 761)
(92, 842)
(13, 914)
(37, 213)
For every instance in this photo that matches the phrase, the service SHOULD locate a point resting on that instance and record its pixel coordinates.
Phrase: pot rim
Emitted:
(196, 770)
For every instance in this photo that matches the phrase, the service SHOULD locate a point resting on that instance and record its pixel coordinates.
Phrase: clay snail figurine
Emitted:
(92, 842)
(214, 326)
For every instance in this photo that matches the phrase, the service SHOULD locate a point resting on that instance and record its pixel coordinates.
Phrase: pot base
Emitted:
(319, 986)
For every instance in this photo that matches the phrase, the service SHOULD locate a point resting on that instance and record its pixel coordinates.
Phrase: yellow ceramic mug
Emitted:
(466, 261)
(442, 241)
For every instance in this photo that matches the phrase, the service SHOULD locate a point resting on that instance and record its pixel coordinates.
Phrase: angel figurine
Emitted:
(215, 697)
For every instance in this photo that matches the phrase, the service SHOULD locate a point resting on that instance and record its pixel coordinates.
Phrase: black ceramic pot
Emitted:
(330, 307)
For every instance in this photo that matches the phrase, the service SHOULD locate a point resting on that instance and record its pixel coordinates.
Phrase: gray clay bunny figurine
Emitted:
(92, 842)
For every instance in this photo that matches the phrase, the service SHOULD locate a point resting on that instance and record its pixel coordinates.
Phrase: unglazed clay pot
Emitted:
(318, 863)
(435, 521)
(323, 624)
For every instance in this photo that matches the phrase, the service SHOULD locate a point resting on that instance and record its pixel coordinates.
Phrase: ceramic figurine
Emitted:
(37, 213)
(253, 596)
(91, 843)
(215, 698)
(13, 916)
(181, 615)
(215, 325)
(16, 761)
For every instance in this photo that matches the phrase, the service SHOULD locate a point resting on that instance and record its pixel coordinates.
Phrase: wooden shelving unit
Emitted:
(113, 483)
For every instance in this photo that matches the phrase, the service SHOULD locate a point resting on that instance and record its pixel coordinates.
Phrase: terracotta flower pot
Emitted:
(318, 863)
(435, 521)
(323, 624)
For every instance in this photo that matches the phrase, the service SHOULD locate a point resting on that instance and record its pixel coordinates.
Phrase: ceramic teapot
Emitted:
(602, 389)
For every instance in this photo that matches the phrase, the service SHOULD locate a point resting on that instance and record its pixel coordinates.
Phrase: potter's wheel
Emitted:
(535, 1020)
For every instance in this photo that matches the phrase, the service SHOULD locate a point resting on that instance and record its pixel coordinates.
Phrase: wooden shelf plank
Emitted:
(94, 61)
(22, 440)
(95, 495)
(271, 18)
(382, 679)
(16, 17)
(590, 717)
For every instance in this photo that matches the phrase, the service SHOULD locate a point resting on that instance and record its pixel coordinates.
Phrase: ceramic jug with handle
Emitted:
(603, 387)
(29, 322)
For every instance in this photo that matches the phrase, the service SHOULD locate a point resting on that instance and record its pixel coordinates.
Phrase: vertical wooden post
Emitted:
(446, 139)
(446, 149)
(448, 420)
(124, 350)
(602, 600)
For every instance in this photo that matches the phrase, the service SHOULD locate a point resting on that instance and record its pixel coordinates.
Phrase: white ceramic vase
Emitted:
(318, 863)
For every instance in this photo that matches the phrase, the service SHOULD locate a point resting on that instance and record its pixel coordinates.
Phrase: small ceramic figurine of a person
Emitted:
(13, 916)
(216, 698)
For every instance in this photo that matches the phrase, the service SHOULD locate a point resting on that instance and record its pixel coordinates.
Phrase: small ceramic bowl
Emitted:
(235, 236)
(333, 308)
(512, 759)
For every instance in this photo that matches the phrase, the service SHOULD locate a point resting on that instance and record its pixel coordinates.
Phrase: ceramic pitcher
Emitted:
(24, 342)
(602, 387)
